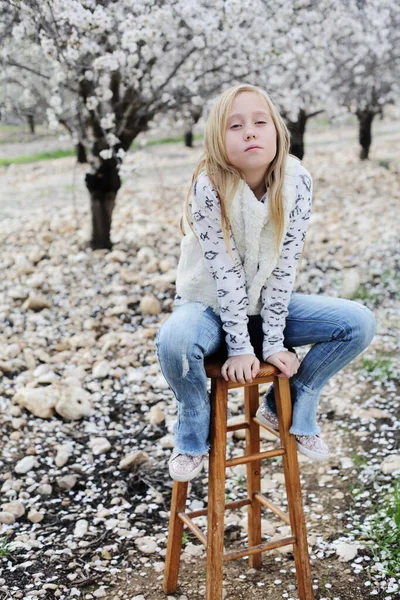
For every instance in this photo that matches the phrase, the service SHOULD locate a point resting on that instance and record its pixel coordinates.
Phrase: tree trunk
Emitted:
(297, 130)
(365, 118)
(103, 187)
(189, 138)
(81, 153)
(31, 123)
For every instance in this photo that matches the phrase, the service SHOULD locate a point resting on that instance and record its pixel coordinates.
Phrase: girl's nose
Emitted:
(249, 135)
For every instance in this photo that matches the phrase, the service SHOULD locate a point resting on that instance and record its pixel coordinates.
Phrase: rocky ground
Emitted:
(86, 416)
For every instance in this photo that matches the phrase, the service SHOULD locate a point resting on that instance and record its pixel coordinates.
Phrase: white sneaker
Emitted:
(312, 446)
(184, 467)
(267, 418)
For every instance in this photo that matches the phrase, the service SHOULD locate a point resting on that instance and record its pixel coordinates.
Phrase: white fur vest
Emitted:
(253, 233)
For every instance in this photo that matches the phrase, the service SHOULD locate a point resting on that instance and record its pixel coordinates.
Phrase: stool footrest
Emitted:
(193, 527)
(273, 431)
(241, 460)
(234, 554)
(234, 504)
(275, 509)
(242, 425)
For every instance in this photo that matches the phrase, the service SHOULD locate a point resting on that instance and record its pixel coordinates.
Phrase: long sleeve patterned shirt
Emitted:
(229, 274)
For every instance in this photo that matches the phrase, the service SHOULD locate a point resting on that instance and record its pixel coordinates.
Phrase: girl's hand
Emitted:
(241, 368)
(287, 362)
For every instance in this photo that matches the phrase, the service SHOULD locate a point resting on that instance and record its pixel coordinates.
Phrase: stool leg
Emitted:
(293, 489)
(251, 401)
(175, 531)
(216, 489)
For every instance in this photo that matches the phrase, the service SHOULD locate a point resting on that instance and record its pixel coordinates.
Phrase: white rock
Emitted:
(100, 593)
(150, 305)
(81, 528)
(36, 302)
(156, 415)
(45, 489)
(160, 383)
(25, 464)
(73, 402)
(346, 551)
(14, 507)
(101, 369)
(167, 441)
(7, 517)
(350, 284)
(346, 462)
(193, 550)
(99, 445)
(134, 459)
(391, 464)
(64, 452)
(35, 516)
(39, 401)
(67, 482)
(146, 545)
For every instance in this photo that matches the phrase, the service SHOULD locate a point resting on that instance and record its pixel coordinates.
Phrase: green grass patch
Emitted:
(4, 551)
(17, 160)
(382, 369)
(383, 531)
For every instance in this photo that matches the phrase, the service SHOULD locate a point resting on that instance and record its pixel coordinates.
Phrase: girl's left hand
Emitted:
(287, 362)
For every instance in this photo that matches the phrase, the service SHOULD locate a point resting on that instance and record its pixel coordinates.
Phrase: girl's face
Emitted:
(250, 137)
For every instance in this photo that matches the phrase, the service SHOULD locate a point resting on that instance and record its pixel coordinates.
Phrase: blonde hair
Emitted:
(222, 174)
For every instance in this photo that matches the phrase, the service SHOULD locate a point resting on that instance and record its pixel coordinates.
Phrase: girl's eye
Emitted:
(236, 125)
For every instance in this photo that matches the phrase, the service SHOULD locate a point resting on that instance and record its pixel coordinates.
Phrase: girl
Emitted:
(245, 220)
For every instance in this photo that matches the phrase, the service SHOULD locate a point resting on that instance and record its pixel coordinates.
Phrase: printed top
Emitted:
(229, 274)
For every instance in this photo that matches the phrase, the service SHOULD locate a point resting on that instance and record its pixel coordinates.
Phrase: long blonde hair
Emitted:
(222, 174)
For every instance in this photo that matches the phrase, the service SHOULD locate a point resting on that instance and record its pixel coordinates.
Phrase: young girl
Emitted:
(245, 220)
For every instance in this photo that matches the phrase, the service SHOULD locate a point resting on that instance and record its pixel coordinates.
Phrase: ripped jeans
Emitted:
(338, 329)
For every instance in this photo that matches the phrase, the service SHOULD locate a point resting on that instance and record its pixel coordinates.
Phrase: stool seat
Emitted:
(213, 370)
(218, 462)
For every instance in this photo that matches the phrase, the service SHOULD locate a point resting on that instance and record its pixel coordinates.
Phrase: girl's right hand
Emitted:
(241, 368)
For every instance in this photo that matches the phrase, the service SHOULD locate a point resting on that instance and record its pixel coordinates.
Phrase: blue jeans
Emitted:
(338, 329)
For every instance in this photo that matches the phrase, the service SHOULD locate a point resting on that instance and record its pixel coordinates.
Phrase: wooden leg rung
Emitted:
(234, 504)
(273, 431)
(242, 460)
(193, 527)
(275, 509)
(234, 554)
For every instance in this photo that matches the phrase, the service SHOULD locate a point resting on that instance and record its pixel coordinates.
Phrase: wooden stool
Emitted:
(214, 541)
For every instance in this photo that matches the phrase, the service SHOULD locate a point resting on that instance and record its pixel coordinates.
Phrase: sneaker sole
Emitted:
(311, 453)
(182, 478)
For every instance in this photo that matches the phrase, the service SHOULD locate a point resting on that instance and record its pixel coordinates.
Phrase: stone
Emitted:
(346, 551)
(39, 401)
(156, 415)
(73, 402)
(67, 482)
(7, 518)
(35, 516)
(25, 464)
(81, 528)
(350, 284)
(167, 441)
(64, 452)
(150, 305)
(101, 369)
(146, 545)
(391, 464)
(134, 459)
(99, 445)
(36, 302)
(44, 490)
(193, 550)
(14, 507)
